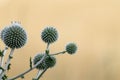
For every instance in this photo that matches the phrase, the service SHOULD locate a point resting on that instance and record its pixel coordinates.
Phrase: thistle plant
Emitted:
(15, 37)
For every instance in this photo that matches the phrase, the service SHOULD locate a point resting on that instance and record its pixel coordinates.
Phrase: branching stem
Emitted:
(2, 58)
(7, 63)
(22, 74)
(38, 63)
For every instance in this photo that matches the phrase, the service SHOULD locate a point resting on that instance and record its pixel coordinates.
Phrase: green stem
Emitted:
(42, 73)
(2, 58)
(47, 48)
(22, 74)
(38, 63)
(7, 63)
(58, 53)
(39, 72)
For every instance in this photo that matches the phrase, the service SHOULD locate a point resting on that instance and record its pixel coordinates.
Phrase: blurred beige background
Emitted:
(94, 25)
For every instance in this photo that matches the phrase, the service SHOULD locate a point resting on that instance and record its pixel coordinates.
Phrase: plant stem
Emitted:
(7, 63)
(2, 58)
(38, 63)
(39, 72)
(42, 73)
(58, 53)
(22, 74)
(47, 48)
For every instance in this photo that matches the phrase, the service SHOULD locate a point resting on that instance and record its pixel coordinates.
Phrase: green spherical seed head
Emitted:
(14, 36)
(71, 48)
(49, 35)
(36, 59)
(50, 61)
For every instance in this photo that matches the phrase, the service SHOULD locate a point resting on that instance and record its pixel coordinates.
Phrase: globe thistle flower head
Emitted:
(48, 62)
(49, 35)
(36, 59)
(14, 36)
(71, 48)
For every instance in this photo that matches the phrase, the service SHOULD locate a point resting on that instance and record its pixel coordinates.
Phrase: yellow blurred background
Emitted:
(94, 25)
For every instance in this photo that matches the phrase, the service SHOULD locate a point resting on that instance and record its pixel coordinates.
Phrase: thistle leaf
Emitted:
(34, 79)
(1, 68)
(22, 77)
(9, 67)
(1, 53)
(30, 62)
(4, 77)
(10, 57)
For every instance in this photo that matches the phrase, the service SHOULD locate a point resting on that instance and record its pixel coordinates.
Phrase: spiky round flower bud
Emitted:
(49, 35)
(71, 48)
(14, 36)
(48, 62)
(36, 59)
